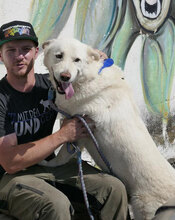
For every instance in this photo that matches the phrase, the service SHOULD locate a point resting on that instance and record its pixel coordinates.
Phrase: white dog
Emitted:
(106, 98)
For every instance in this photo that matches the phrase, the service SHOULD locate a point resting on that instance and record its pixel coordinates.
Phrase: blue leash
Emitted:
(90, 133)
(95, 143)
(50, 97)
(79, 161)
(78, 151)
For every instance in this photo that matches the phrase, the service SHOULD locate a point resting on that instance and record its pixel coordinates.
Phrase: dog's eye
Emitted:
(59, 56)
(77, 60)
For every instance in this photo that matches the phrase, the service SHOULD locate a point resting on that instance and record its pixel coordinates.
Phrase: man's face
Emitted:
(18, 57)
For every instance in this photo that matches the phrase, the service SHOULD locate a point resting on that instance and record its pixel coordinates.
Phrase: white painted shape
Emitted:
(132, 73)
(68, 29)
(14, 10)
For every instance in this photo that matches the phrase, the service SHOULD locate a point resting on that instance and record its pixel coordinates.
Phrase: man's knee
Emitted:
(42, 199)
(115, 187)
(115, 202)
(50, 210)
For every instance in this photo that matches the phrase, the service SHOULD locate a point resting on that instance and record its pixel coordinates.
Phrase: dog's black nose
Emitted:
(65, 76)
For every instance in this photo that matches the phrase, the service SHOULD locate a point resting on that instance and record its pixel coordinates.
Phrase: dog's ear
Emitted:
(46, 43)
(93, 54)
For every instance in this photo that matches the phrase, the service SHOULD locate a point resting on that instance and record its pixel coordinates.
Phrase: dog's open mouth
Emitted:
(65, 88)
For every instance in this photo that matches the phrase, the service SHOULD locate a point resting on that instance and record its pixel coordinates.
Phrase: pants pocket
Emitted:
(20, 186)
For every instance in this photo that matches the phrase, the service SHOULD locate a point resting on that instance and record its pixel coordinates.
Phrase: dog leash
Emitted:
(95, 143)
(78, 151)
(53, 106)
(80, 170)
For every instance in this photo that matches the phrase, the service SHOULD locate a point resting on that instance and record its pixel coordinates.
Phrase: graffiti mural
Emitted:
(135, 33)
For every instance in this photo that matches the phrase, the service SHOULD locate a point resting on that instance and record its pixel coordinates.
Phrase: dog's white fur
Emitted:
(120, 131)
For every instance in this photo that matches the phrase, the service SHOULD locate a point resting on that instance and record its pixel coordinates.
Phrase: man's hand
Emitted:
(73, 129)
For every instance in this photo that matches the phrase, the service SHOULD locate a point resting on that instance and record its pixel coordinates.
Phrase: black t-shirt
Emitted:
(29, 114)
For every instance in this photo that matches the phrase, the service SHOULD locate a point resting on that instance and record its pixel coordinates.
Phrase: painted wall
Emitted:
(138, 34)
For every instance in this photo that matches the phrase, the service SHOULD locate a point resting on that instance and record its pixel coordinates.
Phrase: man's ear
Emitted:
(36, 52)
(93, 54)
(1, 58)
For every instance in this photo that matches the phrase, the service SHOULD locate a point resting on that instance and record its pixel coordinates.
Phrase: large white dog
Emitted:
(107, 99)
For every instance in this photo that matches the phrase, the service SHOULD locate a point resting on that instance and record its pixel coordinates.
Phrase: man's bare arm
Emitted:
(14, 157)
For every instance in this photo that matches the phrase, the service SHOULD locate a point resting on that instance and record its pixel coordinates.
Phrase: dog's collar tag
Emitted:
(106, 63)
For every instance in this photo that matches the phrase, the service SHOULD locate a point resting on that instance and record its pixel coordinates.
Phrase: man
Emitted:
(28, 190)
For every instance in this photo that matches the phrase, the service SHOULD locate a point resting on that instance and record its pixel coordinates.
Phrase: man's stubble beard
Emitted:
(28, 70)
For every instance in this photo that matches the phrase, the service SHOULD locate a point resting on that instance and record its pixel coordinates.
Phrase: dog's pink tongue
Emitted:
(68, 89)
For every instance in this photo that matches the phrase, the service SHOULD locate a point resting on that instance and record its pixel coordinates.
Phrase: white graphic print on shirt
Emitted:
(30, 121)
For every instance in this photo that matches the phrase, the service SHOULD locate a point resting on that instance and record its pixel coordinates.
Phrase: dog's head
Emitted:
(66, 60)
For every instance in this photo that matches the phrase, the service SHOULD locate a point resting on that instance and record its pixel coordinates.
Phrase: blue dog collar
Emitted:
(106, 63)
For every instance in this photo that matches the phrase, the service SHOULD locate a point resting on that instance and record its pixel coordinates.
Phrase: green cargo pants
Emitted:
(44, 193)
